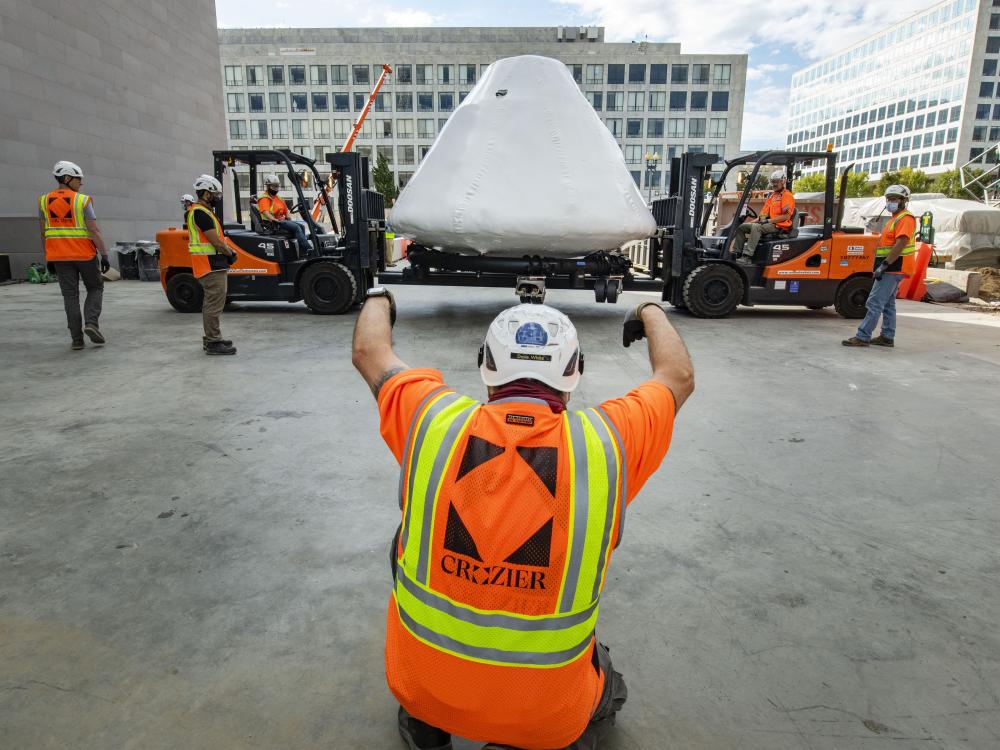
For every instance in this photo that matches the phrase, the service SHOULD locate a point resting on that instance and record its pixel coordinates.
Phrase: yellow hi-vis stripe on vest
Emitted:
(500, 637)
(911, 248)
(79, 228)
(195, 245)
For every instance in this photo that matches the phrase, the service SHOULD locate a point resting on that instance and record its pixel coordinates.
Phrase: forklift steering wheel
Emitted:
(295, 209)
(750, 212)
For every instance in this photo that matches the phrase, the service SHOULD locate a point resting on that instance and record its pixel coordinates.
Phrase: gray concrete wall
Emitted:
(131, 90)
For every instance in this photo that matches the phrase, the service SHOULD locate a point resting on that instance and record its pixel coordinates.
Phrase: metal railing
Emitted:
(981, 176)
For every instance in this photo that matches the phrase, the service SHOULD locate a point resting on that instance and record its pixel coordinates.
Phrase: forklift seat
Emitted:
(259, 224)
(793, 231)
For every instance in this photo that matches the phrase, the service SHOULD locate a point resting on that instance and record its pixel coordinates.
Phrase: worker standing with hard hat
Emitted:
(894, 260)
(210, 261)
(775, 217)
(510, 513)
(74, 246)
(187, 200)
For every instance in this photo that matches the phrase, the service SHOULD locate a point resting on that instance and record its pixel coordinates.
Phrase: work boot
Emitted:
(882, 341)
(420, 736)
(219, 347)
(854, 341)
(77, 345)
(94, 333)
(745, 259)
(205, 343)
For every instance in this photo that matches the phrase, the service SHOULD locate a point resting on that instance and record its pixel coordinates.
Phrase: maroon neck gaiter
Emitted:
(527, 388)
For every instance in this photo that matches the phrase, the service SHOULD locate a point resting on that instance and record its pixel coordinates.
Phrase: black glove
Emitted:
(633, 328)
(882, 268)
(105, 264)
(232, 258)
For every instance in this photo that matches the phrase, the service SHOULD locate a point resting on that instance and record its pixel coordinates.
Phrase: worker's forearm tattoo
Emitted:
(381, 380)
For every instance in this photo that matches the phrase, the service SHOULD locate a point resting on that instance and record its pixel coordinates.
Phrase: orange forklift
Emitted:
(814, 266)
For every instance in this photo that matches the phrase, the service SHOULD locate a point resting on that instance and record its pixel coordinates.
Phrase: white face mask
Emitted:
(892, 206)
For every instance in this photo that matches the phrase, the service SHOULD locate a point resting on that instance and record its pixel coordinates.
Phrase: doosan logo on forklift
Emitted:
(349, 183)
(693, 200)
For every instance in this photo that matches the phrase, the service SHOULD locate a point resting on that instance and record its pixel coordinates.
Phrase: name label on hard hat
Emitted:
(531, 357)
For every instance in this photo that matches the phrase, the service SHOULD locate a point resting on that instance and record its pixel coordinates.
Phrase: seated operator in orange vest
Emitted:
(273, 208)
(510, 513)
(775, 216)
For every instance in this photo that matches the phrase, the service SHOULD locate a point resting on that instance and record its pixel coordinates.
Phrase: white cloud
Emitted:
(409, 17)
(329, 13)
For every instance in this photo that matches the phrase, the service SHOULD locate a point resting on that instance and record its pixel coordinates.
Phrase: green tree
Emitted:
(385, 183)
(810, 183)
(857, 184)
(950, 183)
(914, 179)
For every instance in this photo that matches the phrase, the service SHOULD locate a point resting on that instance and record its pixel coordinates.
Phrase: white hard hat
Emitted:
(777, 175)
(207, 182)
(271, 180)
(187, 198)
(901, 190)
(66, 169)
(531, 341)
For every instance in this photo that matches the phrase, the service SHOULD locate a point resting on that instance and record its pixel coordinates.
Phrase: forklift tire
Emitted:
(612, 289)
(713, 290)
(601, 290)
(852, 295)
(184, 293)
(328, 288)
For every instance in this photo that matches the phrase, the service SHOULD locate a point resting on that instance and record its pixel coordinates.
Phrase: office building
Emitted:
(304, 89)
(922, 93)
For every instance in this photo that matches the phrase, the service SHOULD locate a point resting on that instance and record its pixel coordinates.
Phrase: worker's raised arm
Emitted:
(668, 356)
(371, 351)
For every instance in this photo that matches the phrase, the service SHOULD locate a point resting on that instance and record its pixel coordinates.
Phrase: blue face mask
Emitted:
(892, 206)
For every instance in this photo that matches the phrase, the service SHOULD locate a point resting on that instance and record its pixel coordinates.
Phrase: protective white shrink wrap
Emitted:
(524, 165)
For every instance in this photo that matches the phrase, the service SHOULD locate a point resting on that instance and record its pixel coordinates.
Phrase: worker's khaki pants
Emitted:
(754, 231)
(215, 285)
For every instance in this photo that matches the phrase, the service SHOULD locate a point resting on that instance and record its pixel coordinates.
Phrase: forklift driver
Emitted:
(273, 208)
(775, 217)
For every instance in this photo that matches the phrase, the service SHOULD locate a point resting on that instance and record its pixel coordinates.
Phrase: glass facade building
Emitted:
(923, 93)
(304, 89)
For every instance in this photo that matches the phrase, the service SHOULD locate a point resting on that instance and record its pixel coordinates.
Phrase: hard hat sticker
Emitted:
(531, 334)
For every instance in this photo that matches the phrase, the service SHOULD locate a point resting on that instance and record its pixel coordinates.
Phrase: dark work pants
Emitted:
(69, 273)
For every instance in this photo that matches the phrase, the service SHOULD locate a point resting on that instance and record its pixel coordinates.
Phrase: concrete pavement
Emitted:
(192, 551)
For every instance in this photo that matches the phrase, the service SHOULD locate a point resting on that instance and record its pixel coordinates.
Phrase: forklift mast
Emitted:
(362, 211)
(681, 212)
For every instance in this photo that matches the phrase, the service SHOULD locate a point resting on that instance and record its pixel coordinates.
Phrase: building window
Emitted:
(633, 154)
(425, 101)
(993, 45)
(234, 103)
(276, 102)
(258, 130)
(361, 74)
(442, 121)
(654, 127)
(633, 128)
(404, 178)
(615, 126)
(404, 128)
(298, 100)
(234, 75)
(255, 75)
(675, 127)
(616, 101)
(359, 102)
(341, 129)
(425, 128)
(636, 177)
(979, 132)
(276, 75)
(405, 154)
(238, 130)
(256, 102)
(636, 73)
(321, 129)
(616, 73)
(385, 151)
(446, 101)
(653, 178)
(425, 75)
(723, 74)
(596, 99)
(720, 101)
(317, 75)
(989, 67)
(279, 128)
(700, 73)
(699, 101)
(678, 100)
(297, 75)
(982, 111)
(446, 75)
(986, 89)
(576, 70)
(636, 101)
(338, 75)
(678, 74)
(657, 73)
(657, 101)
(717, 128)
(696, 127)
(383, 129)
(595, 74)
(462, 95)
(341, 102)
(320, 102)
(383, 102)
(404, 102)
(467, 75)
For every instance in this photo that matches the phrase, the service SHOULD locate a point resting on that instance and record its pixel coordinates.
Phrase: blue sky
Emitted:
(779, 37)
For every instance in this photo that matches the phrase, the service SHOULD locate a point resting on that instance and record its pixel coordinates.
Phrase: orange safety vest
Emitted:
(906, 261)
(273, 203)
(510, 516)
(66, 235)
(776, 204)
(198, 245)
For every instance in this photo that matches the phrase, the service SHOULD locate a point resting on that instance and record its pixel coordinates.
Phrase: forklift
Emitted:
(814, 266)
(331, 276)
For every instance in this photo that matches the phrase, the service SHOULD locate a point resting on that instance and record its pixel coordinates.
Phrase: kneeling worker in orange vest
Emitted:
(210, 261)
(72, 243)
(510, 512)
